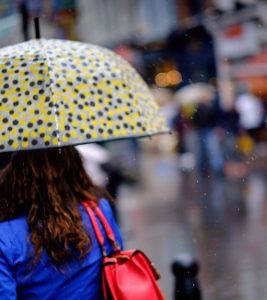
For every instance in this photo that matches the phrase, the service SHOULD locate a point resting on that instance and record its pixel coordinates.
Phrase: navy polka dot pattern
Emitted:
(57, 93)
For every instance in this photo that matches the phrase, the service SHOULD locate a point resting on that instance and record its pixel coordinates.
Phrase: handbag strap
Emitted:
(93, 210)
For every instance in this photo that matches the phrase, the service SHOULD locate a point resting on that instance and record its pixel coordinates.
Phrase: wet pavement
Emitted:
(222, 222)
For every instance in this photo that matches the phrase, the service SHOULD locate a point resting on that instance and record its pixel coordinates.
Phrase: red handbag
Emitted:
(126, 275)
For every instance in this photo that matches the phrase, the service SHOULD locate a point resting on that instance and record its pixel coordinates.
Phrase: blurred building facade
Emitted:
(106, 22)
(9, 23)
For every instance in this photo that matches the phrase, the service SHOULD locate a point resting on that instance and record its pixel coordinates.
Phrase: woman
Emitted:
(48, 249)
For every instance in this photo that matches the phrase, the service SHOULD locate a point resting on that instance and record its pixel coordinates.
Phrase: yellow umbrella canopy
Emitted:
(56, 93)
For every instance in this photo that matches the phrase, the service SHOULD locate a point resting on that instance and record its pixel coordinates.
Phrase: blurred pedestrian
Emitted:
(229, 122)
(205, 120)
(230, 131)
(122, 168)
(179, 125)
(48, 249)
(93, 157)
(251, 111)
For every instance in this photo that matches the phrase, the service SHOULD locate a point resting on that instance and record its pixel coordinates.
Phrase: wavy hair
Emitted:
(47, 187)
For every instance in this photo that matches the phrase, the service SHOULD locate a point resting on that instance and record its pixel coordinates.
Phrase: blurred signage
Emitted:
(238, 41)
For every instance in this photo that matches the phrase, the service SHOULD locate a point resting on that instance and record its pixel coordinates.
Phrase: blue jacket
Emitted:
(80, 280)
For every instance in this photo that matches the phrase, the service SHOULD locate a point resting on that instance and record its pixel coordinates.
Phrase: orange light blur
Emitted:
(174, 77)
(161, 80)
(170, 78)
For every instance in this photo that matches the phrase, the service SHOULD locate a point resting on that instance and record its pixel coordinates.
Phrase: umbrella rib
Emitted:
(53, 100)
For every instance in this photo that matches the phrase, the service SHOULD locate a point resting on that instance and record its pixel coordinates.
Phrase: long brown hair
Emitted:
(47, 186)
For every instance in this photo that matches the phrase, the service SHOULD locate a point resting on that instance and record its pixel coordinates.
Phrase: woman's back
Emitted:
(79, 279)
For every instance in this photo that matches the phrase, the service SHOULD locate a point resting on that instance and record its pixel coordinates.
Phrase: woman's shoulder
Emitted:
(105, 206)
(13, 223)
(11, 231)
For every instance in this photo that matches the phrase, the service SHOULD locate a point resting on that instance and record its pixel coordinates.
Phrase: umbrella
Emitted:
(195, 93)
(55, 93)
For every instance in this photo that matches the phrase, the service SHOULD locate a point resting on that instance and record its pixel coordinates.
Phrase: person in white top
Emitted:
(251, 111)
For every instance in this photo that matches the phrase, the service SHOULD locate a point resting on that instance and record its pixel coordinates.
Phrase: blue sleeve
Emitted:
(8, 285)
(107, 211)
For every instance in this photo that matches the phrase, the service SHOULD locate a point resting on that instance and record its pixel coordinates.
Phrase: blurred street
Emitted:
(200, 191)
(222, 222)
